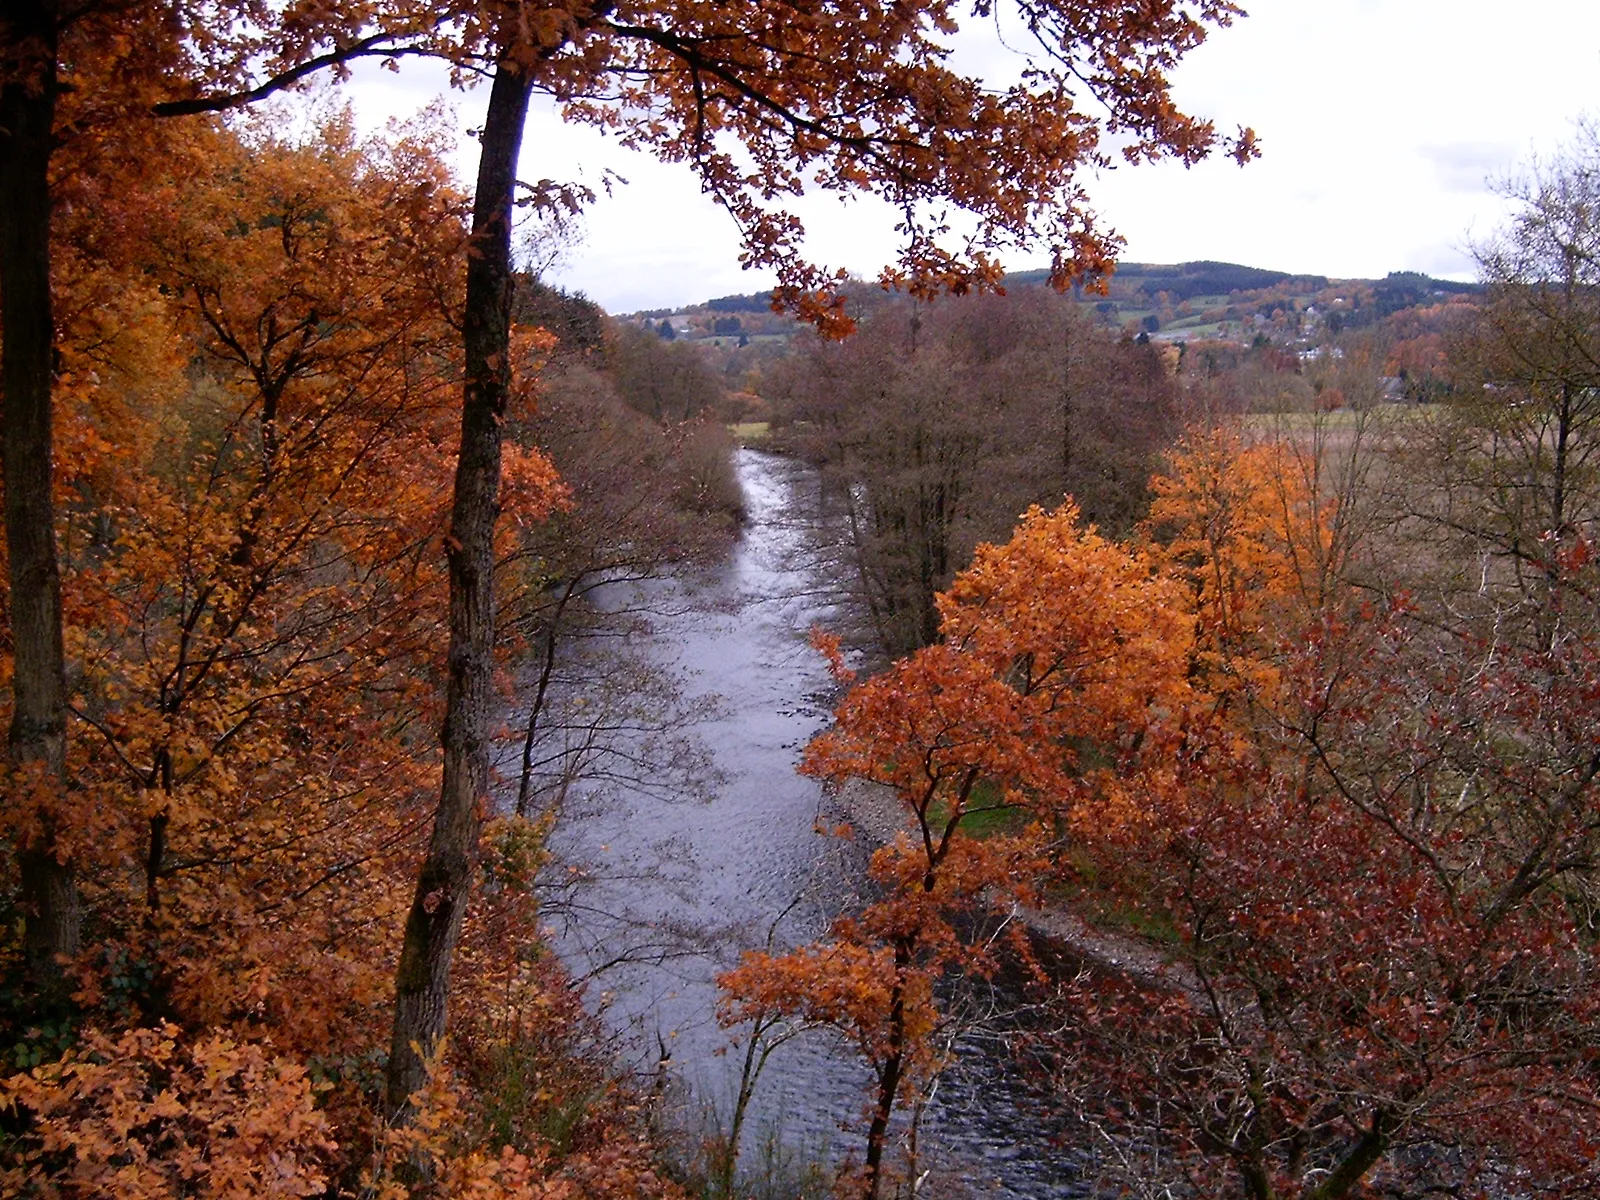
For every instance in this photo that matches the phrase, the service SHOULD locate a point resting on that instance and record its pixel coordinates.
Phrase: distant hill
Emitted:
(1173, 300)
(1182, 301)
(1184, 281)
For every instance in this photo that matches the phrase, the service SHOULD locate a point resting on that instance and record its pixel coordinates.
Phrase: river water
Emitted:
(676, 884)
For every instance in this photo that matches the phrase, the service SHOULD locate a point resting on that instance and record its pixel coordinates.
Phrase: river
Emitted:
(677, 885)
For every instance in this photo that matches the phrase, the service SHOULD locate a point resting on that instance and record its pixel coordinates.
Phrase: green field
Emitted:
(750, 433)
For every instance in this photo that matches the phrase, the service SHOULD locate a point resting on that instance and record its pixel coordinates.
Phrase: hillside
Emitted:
(1175, 302)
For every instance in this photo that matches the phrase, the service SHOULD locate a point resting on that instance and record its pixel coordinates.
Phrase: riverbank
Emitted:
(876, 816)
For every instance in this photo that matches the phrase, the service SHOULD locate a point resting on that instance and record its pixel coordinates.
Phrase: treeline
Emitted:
(1184, 281)
(934, 427)
(1225, 302)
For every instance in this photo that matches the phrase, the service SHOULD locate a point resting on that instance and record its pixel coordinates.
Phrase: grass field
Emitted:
(1339, 418)
(750, 433)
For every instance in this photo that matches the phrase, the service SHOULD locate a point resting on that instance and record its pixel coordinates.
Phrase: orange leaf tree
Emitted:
(78, 87)
(256, 419)
(1382, 898)
(151, 1115)
(1057, 695)
(251, 635)
(1240, 526)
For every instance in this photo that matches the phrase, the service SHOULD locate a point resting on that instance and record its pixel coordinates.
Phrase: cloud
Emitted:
(1443, 261)
(1469, 167)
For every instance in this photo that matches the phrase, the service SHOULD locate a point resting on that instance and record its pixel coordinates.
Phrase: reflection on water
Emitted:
(678, 884)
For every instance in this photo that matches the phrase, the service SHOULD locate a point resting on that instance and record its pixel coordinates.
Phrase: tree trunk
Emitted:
(536, 711)
(445, 881)
(1363, 1156)
(38, 735)
(882, 1110)
(889, 1072)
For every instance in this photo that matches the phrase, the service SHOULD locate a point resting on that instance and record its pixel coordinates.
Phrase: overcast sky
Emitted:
(1383, 125)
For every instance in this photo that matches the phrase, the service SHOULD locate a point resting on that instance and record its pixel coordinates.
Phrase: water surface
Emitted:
(682, 882)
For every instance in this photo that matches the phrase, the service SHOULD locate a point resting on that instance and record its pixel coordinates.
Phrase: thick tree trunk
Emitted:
(444, 884)
(38, 735)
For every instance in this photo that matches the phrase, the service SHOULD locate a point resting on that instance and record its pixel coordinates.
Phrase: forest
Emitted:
(1268, 661)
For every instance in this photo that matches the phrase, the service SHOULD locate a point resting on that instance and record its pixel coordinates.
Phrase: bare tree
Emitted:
(935, 427)
(1507, 485)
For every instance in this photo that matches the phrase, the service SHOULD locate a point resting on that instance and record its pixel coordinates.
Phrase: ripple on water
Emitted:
(711, 876)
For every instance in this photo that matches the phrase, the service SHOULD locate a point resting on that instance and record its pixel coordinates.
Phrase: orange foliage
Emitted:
(250, 597)
(1372, 844)
(1062, 671)
(1239, 527)
(614, 1162)
(1057, 694)
(152, 1114)
(1076, 686)
(257, 424)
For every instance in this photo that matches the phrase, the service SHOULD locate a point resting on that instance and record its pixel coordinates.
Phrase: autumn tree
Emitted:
(257, 419)
(1381, 906)
(1263, 536)
(37, 735)
(82, 82)
(279, 605)
(244, 56)
(443, 884)
(267, 571)
(1376, 850)
(1054, 695)
(670, 382)
(255, 398)
(169, 740)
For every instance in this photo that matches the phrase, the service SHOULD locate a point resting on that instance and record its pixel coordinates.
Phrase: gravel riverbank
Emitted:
(876, 815)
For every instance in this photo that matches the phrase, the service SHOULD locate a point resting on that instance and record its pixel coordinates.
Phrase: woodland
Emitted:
(305, 482)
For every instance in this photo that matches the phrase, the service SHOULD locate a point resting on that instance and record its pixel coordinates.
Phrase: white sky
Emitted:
(1381, 121)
